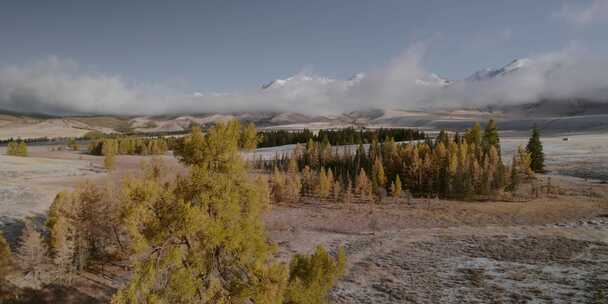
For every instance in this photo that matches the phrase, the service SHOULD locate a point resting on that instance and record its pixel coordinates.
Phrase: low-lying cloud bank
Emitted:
(581, 15)
(56, 86)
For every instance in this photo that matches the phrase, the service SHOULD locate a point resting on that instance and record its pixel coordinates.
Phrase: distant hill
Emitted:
(557, 116)
(543, 108)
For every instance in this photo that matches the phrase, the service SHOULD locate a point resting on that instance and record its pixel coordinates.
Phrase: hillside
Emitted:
(552, 116)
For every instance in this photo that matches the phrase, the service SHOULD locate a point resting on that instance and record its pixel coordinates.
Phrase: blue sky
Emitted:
(231, 45)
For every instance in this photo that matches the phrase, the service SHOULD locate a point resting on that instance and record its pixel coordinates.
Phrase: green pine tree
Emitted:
(535, 148)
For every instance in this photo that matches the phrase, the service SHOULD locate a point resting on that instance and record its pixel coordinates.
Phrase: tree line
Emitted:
(450, 167)
(129, 146)
(196, 238)
(346, 136)
(30, 140)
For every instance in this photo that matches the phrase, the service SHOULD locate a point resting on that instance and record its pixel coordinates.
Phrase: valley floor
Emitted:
(546, 250)
(553, 249)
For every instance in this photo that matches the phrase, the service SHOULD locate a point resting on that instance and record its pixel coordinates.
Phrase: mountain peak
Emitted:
(516, 65)
(433, 80)
(296, 80)
(490, 73)
(357, 77)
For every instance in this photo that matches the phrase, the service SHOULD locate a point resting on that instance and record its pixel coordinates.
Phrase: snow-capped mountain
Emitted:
(302, 79)
(491, 73)
(297, 80)
(482, 75)
(357, 77)
(434, 80)
(431, 80)
(516, 65)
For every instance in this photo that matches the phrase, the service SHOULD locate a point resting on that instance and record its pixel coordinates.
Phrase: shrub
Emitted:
(17, 149)
(312, 277)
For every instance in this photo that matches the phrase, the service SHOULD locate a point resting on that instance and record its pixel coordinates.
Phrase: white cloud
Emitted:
(560, 75)
(55, 86)
(595, 12)
(58, 86)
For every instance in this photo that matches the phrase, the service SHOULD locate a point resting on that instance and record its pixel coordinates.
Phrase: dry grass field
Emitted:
(552, 249)
(548, 249)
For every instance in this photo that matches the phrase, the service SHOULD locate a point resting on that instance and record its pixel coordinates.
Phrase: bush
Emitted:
(312, 277)
(17, 149)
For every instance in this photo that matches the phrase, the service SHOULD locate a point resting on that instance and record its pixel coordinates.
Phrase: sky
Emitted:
(140, 48)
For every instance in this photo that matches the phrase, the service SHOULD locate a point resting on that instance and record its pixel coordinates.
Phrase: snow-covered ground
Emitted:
(28, 184)
(581, 155)
(47, 128)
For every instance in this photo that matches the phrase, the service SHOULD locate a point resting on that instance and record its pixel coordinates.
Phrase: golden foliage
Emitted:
(17, 149)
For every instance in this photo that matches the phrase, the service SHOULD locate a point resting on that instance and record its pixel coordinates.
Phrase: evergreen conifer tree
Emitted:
(535, 148)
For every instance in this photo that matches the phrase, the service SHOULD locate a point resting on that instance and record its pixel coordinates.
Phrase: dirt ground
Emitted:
(553, 249)
(549, 250)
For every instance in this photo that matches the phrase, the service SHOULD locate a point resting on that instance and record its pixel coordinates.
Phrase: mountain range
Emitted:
(430, 80)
